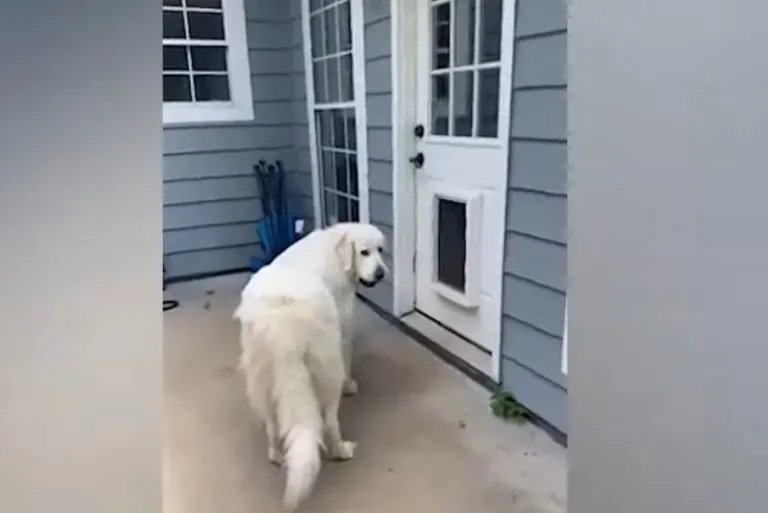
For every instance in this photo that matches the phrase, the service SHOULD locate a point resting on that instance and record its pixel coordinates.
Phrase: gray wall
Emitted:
(378, 76)
(535, 254)
(210, 193)
(668, 256)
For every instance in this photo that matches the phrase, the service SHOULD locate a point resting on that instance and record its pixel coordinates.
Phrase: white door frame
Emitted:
(404, 38)
(359, 104)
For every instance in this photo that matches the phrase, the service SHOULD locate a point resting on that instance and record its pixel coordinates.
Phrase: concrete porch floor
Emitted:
(427, 441)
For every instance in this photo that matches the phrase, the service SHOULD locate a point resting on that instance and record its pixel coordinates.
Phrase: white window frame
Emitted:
(240, 107)
(357, 29)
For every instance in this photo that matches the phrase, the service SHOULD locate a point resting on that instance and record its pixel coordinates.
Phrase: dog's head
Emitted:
(360, 248)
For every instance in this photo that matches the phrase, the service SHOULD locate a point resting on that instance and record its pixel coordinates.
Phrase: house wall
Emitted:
(211, 201)
(378, 77)
(535, 254)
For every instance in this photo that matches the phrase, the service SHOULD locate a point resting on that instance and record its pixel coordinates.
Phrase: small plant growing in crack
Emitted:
(506, 407)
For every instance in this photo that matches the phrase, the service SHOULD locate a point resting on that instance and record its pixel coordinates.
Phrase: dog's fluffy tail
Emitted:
(298, 415)
(283, 338)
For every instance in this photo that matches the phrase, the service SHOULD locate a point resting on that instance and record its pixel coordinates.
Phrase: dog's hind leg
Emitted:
(338, 448)
(274, 453)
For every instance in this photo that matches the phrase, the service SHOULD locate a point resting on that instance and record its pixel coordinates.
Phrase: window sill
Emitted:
(175, 115)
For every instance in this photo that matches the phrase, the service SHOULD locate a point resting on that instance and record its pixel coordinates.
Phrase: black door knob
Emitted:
(417, 160)
(418, 131)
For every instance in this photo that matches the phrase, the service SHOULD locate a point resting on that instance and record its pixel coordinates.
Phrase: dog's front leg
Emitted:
(347, 335)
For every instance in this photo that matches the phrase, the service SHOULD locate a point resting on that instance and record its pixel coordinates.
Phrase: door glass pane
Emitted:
(490, 30)
(451, 243)
(488, 103)
(441, 36)
(464, 36)
(463, 87)
(440, 87)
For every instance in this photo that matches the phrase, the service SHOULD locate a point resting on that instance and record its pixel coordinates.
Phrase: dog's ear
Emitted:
(345, 250)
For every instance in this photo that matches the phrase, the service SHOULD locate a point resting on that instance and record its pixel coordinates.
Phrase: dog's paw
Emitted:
(350, 387)
(344, 451)
(275, 457)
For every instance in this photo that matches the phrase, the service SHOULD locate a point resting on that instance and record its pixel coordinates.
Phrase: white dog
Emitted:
(296, 317)
(343, 256)
(293, 364)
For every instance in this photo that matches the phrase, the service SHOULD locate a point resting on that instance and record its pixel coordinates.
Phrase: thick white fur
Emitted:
(342, 256)
(293, 364)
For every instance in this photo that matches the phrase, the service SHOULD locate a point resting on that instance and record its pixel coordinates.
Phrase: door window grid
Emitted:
(465, 40)
(334, 108)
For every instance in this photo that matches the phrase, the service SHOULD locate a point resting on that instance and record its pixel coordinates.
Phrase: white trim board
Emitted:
(357, 29)
(404, 38)
(564, 358)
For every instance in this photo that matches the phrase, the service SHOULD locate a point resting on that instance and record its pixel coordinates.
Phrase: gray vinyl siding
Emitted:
(210, 204)
(378, 77)
(536, 222)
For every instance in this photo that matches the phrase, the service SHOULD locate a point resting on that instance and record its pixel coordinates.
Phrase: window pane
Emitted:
(490, 30)
(350, 129)
(353, 183)
(172, 3)
(325, 128)
(315, 4)
(175, 58)
(331, 209)
(176, 88)
(338, 129)
(206, 25)
(347, 79)
(331, 32)
(207, 4)
(332, 74)
(354, 211)
(210, 88)
(464, 37)
(463, 88)
(345, 34)
(329, 169)
(440, 85)
(488, 103)
(451, 242)
(173, 25)
(321, 94)
(343, 208)
(342, 173)
(317, 35)
(209, 58)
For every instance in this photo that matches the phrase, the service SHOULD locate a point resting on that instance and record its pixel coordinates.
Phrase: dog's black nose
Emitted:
(379, 275)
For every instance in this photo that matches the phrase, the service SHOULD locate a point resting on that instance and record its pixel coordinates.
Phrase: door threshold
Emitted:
(465, 350)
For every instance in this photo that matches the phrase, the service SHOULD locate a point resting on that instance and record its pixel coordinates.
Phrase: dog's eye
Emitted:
(381, 250)
(365, 252)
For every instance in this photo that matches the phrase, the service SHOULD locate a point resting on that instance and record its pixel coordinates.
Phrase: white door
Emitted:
(464, 90)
